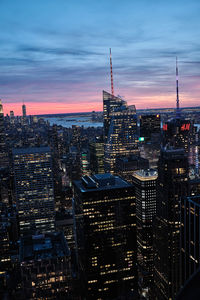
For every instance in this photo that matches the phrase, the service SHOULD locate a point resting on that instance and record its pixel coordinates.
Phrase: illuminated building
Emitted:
(76, 136)
(110, 103)
(149, 124)
(85, 170)
(45, 267)
(120, 129)
(145, 183)
(190, 239)
(177, 133)
(3, 149)
(5, 186)
(34, 189)
(172, 185)
(5, 254)
(125, 166)
(106, 235)
(150, 138)
(65, 223)
(97, 156)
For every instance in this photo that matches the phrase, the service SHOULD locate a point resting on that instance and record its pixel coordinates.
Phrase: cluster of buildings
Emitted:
(99, 213)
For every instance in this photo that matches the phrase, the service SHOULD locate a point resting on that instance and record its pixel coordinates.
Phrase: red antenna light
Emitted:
(111, 74)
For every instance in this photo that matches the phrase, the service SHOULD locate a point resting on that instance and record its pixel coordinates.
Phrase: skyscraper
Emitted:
(190, 239)
(34, 189)
(172, 185)
(145, 183)
(3, 149)
(45, 266)
(149, 125)
(110, 103)
(177, 131)
(24, 111)
(97, 156)
(106, 235)
(120, 129)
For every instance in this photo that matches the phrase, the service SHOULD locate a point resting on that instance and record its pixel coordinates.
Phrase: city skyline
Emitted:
(55, 56)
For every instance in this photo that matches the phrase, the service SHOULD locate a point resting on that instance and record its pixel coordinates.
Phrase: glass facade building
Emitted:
(34, 189)
(106, 235)
(145, 183)
(172, 185)
(120, 129)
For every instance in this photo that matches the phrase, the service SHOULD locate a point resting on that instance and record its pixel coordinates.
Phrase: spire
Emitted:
(111, 74)
(177, 91)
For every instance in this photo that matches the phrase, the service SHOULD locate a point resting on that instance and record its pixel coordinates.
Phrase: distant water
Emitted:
(68, 121)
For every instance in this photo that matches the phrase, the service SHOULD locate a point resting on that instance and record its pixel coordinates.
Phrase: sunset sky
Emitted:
(54, 55)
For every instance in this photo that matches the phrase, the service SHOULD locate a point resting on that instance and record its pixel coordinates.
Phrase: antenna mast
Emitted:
(111, 74)
(177, 91)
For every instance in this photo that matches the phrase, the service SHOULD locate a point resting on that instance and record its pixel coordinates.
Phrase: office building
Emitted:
(85, 165)
(45, 267)
(120, 129)
(24, 111)
(34, 189)
(190, 239)
(177, 133)
(106, 235)
(172, 185)
(145, 183)
(126, 166)
(110, 103)
(149, 124)
(3, 148)
(12, 117)
(97, 156)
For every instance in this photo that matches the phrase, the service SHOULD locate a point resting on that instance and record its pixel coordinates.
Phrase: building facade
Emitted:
(172, 185)
(34, 189)
(106, 235)
(45, 266)
(190, 240)
(120, 129)
(145, 183)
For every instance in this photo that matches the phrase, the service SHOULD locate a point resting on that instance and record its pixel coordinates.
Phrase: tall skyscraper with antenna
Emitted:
(177, 131)
(177, 91)
(120, 127)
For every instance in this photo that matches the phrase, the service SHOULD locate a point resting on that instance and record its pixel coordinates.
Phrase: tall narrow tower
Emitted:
(177, 91)
(24, 110)
(111, 74)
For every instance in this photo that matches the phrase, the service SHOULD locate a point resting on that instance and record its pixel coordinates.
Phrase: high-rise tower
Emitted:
(24, 111)
(106, 235)
(178, 130)
(3, 150)
(172, 185)
(34, 189)
(145, 183)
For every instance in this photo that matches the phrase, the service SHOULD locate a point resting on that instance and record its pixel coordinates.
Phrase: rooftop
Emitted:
(99, 182)
(149, 174)
(30, 150)
(43, 246)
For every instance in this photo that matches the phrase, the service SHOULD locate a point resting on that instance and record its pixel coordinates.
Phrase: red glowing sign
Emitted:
(165, 127)
(185, 127)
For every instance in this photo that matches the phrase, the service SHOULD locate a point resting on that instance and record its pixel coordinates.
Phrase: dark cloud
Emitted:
(57, 51)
